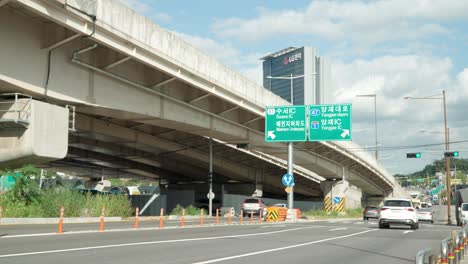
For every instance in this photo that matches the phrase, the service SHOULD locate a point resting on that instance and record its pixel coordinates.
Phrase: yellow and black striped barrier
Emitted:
(327, 203)
(272, 215)
(340, 207)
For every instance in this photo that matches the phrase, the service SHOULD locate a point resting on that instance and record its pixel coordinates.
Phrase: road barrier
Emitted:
(229, 217)
(161, 220)
(101, 225)
(241, 220)
(217, 216)
(452, 249)
(136, 224)
(272, 214)
(201, 217)
(251, 217)
(1, 213)
(182, 219)
(60, 225)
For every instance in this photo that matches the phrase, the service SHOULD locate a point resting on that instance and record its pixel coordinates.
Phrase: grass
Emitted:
(321, 214)
(76, 204)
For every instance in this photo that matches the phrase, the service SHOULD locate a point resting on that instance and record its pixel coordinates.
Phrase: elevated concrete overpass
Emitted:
(147, 102)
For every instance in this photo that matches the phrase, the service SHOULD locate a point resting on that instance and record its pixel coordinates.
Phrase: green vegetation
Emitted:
(25, 199)
(321, 214)
(189, 210)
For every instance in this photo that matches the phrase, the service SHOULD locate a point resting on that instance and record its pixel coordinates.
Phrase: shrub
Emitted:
(189, 210)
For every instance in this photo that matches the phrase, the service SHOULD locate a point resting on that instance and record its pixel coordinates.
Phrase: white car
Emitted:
(425, 214)
(398, 211)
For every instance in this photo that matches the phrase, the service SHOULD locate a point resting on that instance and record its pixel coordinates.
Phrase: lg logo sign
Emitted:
(293, 58)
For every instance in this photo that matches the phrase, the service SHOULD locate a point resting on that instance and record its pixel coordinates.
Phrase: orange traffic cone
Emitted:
(60, 226)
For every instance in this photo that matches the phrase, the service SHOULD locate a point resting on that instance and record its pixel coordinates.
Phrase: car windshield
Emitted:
(371, 208)
(397, 203)
(465, 207)
(251, 201)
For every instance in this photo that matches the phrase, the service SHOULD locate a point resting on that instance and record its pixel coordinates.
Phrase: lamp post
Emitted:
(375, 121)
(290, 144)
(447, 159)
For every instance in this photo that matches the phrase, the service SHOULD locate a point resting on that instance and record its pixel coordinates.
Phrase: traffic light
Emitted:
(413, 155)
(451, 154)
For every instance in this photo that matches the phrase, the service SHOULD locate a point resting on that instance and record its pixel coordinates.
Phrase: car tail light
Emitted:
(383, 209)
(410, 209)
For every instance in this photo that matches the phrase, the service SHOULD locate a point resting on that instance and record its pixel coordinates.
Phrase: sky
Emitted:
(390, 48)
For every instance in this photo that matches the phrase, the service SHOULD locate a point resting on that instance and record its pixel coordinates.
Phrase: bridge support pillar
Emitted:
(342, 189)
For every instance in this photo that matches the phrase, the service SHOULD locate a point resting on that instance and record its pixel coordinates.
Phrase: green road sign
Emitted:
(285, 123)
(329, 122)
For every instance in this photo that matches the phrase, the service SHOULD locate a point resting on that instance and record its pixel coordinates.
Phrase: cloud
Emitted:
(363, 22)
(400, 121)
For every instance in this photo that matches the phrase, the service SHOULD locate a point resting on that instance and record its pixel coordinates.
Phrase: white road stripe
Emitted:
(282, 248)
(409, 231)
(338, 229)
(150, 243)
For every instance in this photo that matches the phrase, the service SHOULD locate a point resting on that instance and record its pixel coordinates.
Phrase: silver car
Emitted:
(370, 212)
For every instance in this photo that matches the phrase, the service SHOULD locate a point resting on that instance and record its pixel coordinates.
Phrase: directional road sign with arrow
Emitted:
(329, 122)
(285, 123)
(288, 180)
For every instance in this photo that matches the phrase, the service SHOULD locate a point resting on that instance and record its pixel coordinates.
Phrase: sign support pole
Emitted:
(290, 172)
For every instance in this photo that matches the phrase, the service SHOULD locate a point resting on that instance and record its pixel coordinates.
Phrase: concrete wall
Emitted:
(352, 195)
(45, 139)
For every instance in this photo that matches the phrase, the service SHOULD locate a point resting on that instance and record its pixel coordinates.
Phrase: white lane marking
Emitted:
(346, 222)
(358, 223)
(282, 248)
(151, 243)
(409, 231)
(338, 229)
(127, 230)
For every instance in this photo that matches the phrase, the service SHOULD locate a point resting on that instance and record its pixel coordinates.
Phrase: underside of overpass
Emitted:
(140, 113)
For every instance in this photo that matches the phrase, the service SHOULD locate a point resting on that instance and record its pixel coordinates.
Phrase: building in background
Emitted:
(311, 75)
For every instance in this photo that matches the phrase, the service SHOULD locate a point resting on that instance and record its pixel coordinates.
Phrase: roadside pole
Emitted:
(290, 172)
(210, 197)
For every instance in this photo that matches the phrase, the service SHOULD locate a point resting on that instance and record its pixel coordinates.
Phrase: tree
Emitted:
(26, 188)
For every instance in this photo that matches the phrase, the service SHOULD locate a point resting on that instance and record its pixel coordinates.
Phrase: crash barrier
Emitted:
(424, 254)
(452, 249)
(327, 204)
(275, 214)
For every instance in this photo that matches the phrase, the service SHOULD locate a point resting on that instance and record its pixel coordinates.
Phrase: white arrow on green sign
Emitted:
(329, 122)
(285, 123)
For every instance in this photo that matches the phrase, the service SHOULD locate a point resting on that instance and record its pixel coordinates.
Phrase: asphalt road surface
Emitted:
(334, 241)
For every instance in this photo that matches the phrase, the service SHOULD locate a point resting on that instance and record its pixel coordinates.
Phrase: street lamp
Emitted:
(375, 121)
(290, 144)
(447, 159)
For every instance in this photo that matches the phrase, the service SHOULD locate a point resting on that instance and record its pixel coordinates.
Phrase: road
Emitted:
(334, 241)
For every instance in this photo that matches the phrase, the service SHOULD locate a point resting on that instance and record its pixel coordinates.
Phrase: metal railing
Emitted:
(20, 110)
(452, 249)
